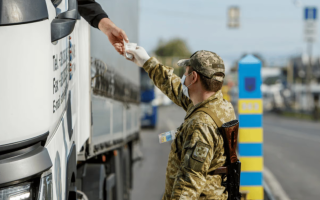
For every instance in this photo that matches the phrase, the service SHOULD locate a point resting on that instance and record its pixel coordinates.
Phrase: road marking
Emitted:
(274, 185)
(293, 133)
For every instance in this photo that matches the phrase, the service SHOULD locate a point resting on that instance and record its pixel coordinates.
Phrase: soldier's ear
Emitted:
(196, 76)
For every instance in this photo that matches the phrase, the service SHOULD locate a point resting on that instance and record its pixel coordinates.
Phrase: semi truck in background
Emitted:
(148, 106)
(69, 104)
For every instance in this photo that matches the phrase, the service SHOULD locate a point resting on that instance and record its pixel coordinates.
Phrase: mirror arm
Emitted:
(72, 12)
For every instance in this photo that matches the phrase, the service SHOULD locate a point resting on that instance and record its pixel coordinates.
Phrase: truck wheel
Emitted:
(91, 180)
(126, 173)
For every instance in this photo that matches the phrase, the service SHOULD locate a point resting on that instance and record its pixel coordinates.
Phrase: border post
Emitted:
(250, 109)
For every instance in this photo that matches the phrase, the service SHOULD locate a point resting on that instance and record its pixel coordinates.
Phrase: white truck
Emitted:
(69, 104)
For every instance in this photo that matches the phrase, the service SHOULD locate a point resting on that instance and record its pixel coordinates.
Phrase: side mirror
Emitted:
(64, 23)
(72, 12)
(61, 28)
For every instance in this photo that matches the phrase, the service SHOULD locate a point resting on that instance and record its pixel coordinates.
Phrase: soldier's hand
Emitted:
(140, 56)
(115, 34)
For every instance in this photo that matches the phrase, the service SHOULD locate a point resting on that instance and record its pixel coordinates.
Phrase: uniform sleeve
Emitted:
(168, 82)
(197, 154)
(91, 11)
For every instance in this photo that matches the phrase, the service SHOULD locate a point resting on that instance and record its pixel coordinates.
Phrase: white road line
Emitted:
(293, 133)
(274, 185)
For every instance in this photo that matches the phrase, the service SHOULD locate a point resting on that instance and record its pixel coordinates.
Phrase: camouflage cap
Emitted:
(206, 63)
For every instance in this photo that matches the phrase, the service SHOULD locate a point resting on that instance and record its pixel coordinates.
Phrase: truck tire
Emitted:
(126, 173)
(91, 180)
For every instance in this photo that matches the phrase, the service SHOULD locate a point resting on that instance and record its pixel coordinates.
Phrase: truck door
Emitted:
(70, 53)
(64, 35)
(71, 63)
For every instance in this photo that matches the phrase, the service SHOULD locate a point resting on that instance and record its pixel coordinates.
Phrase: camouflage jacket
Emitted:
(198, 147)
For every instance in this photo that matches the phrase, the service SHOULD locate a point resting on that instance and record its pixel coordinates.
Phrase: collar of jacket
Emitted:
(216, 96)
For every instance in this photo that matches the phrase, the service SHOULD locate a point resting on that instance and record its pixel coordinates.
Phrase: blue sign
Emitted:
(250, 78)
(310, 13)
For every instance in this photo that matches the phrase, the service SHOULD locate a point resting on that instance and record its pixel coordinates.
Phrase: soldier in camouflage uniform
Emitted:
(198, 147)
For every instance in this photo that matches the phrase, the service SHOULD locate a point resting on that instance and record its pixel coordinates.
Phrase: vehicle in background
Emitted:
(272, 89)
(148, 105)
(69, 103)
(300, 97)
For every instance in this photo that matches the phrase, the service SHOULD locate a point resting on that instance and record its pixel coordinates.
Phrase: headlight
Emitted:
(45, 192)
(17, 192)
(30, 190)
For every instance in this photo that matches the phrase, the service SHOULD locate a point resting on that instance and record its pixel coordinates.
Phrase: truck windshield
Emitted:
(15, 12)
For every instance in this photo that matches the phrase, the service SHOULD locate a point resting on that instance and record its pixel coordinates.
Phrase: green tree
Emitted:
(174, 47)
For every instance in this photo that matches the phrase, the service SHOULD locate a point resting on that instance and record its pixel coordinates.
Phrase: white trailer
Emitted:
(69, 104)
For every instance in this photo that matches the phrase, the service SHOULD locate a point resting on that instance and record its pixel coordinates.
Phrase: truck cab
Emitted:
(64, 103)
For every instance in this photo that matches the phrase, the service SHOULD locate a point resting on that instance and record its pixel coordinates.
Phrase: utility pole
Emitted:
(310, 31)
(309, 75)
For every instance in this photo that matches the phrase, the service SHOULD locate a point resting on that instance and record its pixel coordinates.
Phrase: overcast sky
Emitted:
(273, 28)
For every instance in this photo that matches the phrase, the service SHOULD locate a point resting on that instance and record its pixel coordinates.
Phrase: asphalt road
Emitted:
(291, 153)
(149, 175)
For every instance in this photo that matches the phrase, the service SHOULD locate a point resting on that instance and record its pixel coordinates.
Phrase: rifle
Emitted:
(232, 166)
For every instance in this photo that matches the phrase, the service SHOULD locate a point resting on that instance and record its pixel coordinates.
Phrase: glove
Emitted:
(140, 56)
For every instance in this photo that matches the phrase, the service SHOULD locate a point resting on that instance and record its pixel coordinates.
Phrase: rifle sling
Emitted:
(212, 115)
(220, 170)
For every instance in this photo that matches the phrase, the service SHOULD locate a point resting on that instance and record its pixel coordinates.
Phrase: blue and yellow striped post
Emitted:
(250, 131)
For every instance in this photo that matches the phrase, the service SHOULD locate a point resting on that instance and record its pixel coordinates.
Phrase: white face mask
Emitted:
(185, 88)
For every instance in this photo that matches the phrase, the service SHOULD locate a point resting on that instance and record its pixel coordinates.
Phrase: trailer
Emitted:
(70, 116)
